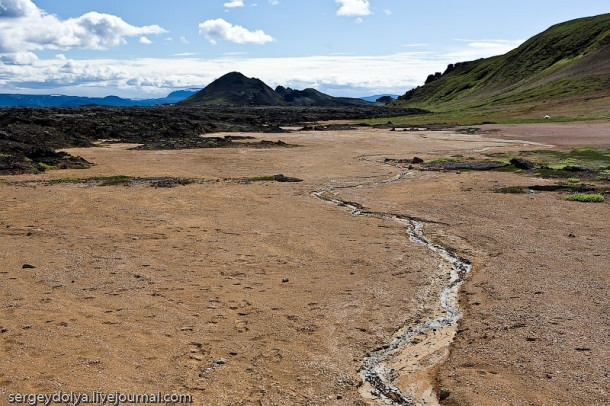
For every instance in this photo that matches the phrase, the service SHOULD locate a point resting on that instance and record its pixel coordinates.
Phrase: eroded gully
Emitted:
(402, 371)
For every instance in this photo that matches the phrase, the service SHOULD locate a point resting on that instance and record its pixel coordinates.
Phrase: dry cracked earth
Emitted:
(260, 293)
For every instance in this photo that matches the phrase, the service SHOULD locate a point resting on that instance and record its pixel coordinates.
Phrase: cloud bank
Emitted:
(354, 8)
(340, 75)
(219, 29)
(25, 28)
(234, 3)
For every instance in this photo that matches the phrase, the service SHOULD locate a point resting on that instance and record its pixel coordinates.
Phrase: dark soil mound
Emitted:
(235, 89)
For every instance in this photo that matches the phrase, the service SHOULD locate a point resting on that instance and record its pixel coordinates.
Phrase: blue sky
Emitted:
(138, 48)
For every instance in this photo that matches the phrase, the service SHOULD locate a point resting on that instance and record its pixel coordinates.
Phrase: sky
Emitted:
(148, 48)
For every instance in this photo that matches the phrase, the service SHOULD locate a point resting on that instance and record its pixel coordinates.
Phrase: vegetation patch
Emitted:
(573, 161)
(445, 160)
(113, 180)
(585, 197)
(512, 190)
(46, 167)
(264, 178)
(588, 163)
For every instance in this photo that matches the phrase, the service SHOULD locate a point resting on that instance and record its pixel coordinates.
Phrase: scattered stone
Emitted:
(471, 165)
(417, 160)
(169, 182)
(574, 168)
(29, 234)
(396, 161)
(571, 235)
(220, 361)
(282, 178)
(28, 266)
(274, 129)
(443, 394)
(285, 280)
(521, 163)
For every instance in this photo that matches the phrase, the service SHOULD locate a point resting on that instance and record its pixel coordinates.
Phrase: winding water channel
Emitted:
(401, 372)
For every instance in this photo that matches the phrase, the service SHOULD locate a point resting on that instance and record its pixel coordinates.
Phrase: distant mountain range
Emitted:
(231, 89)
(235, 89)
(313, 97)
(29, 100)
(376, 97)
(565, 68)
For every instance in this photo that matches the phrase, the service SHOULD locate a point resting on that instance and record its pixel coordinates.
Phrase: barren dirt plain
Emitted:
(248, 293)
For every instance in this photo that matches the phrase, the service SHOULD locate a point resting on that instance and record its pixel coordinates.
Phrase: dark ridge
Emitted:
(235, 89)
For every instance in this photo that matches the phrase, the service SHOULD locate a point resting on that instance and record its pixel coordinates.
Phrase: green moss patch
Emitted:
(585, 197)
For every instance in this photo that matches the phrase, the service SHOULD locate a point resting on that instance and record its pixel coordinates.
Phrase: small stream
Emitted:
(428, 338)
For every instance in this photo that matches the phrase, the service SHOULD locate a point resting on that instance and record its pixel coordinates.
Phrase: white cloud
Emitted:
(17, 8)
(339, 75)
(274, 2)
(487, 46)
(387, 12)
(353, 8)
(25, 28)
(234, 3)
(219, 29)
(184, 40)
(145, 41)
(347, 75)
(18, 58)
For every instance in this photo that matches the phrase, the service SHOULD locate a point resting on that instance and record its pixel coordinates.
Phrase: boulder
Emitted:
(520, 163)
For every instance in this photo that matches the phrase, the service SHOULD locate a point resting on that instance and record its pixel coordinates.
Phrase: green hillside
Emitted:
(563, 71)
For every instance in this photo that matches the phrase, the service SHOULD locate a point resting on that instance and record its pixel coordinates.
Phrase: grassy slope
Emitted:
(564, 72)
